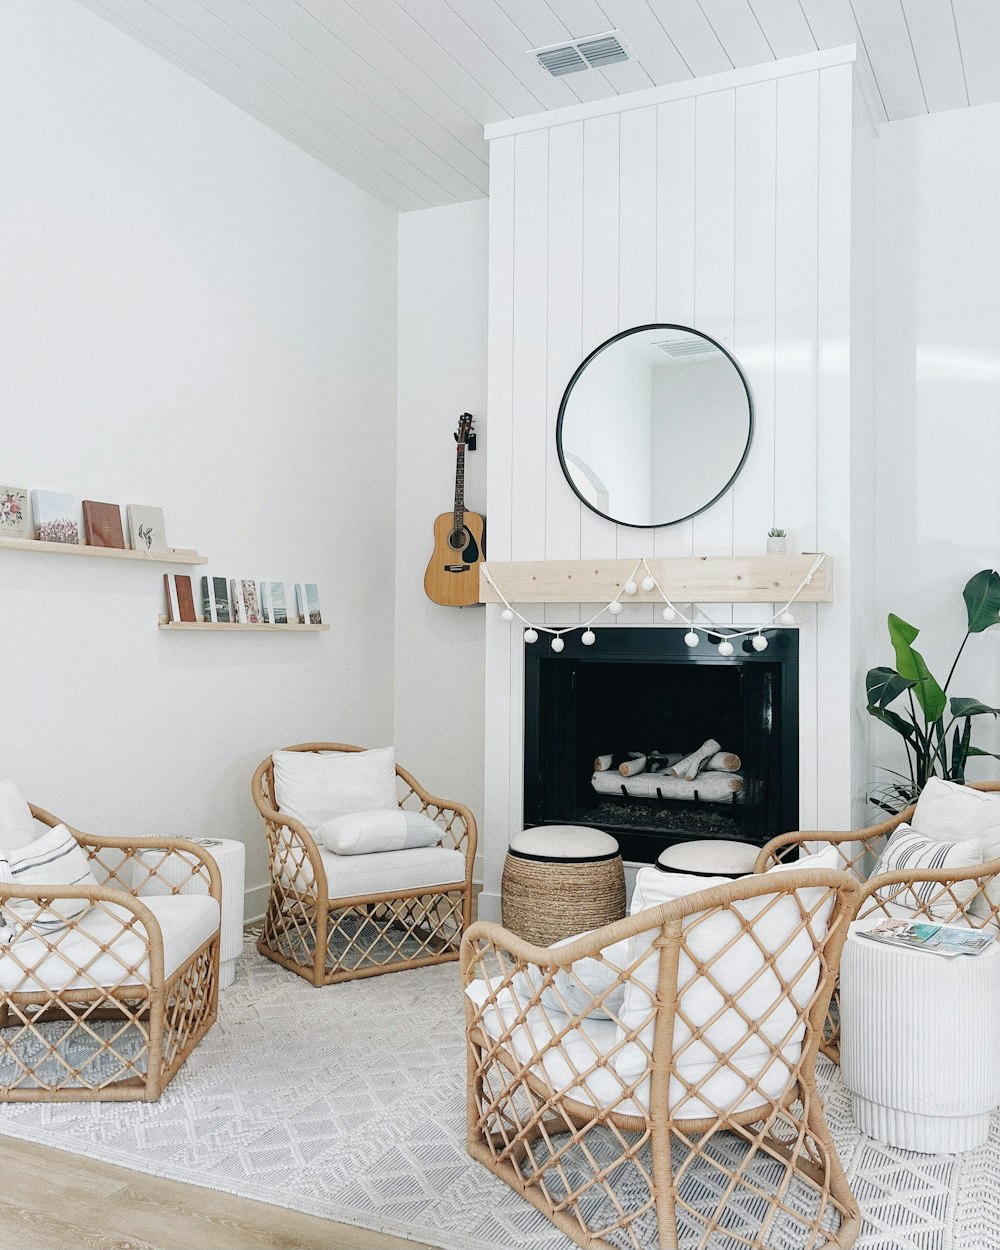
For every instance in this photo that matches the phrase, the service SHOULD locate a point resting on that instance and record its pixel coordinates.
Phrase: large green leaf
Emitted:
(911, 665)
(982, 600)
(884, 685)
(972, 707)
(903, 727)
(979, 751)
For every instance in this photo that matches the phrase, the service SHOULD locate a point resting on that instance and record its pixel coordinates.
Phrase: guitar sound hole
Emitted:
(458, 540)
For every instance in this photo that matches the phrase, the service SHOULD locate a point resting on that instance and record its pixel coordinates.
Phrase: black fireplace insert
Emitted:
(644, 690)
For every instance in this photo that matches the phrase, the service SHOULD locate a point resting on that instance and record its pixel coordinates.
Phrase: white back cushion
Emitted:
(366, 833)
(17, 825)
(908, 850)
(949, 812)
(313, 787)
(55, 858)
(741, 972)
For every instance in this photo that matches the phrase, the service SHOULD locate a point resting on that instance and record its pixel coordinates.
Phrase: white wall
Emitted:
(938, 450)
(442, 373)
(194, 314)
(724, 204)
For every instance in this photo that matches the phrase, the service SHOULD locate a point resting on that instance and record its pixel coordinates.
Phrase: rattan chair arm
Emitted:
(771, 851)
(667, 914)
(132, 847)
(911, 876)
(444, 805)
(93, 894)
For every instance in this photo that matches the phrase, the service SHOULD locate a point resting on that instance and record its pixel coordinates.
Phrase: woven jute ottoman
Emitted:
(710, 857)
(559, 880)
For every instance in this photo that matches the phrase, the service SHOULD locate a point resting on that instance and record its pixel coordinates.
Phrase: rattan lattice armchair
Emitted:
(652, 1083)
(953, 896)
(327, 934)
(108, 1007)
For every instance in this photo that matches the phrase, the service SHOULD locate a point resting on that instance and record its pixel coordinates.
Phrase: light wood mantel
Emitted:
(685, 579)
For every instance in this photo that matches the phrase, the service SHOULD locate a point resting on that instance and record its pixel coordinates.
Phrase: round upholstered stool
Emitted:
(559, 880)
(710, 857)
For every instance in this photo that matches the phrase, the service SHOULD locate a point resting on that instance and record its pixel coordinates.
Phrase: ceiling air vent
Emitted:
(592, 52)
(679, 348)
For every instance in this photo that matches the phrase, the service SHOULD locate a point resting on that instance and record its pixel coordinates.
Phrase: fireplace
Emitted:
(645, 690)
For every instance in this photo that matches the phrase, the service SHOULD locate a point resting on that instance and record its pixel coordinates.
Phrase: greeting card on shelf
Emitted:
(57, 517)
(146, 528)
(251, 603)
(13, 512)
(276, 605)
(307, 603)
(215, 600)
(180, 597)
(102, 524)
(236, 598)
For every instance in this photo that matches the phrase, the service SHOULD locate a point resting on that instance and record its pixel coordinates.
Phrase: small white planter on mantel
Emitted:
(776, 544)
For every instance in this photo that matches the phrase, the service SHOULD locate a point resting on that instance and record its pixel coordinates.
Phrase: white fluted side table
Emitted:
(920, 1044)
(230, 856)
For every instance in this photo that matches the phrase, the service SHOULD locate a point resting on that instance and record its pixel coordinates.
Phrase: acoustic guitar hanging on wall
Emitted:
(452, 577)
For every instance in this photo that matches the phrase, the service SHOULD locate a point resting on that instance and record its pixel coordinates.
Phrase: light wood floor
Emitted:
(52, 1200)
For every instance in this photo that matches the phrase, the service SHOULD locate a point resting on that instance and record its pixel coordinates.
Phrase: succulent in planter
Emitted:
(936, 731)
(776, 539)
(774, 532)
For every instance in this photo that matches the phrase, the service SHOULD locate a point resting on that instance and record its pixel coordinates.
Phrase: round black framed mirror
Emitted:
(655, 425)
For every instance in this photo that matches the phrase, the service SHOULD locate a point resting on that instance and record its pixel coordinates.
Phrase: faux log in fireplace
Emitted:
(645, 691)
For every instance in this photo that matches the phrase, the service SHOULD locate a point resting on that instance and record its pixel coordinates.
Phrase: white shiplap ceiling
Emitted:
(394, 94)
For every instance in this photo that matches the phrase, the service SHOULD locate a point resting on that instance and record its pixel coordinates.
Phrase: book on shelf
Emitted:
(102, 525)
(180, 597)
(14, 512)
(215, 600)
(57, 517)
(266, 609)
(946, 940)
(146, 528)
(239, 609)
(307, 603)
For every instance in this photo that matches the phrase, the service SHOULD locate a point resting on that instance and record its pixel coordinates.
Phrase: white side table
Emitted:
(230, 856)
(920, 1043)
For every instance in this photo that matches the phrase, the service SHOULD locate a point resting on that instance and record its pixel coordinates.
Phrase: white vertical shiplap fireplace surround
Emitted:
(741, 205)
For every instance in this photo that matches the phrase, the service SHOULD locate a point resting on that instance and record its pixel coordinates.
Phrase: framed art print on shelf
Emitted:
(102, 525)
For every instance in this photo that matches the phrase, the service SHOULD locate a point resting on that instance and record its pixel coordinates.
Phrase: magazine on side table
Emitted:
(948, 941)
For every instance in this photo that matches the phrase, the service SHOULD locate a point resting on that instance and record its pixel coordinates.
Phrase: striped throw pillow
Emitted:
(54, 858)
(908, 851)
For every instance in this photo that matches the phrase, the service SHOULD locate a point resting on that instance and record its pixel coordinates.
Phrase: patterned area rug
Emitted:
(349, 1102)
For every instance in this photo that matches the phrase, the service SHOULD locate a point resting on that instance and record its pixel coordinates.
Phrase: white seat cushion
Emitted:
(564, 842)
(386, 871)
(185, 920)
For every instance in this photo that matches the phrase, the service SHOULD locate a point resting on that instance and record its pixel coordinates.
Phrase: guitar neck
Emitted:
(460, 486)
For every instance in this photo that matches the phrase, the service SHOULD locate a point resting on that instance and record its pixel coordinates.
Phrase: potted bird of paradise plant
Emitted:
(935, 729)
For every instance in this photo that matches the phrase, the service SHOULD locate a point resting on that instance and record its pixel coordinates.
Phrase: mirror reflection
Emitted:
(655, 425)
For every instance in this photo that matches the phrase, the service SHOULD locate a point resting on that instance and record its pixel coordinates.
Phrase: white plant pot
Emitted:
(776, 545)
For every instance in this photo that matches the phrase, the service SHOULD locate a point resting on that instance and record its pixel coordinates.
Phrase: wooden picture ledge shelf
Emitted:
(685, 579)
(173, 555)
(238, 627)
